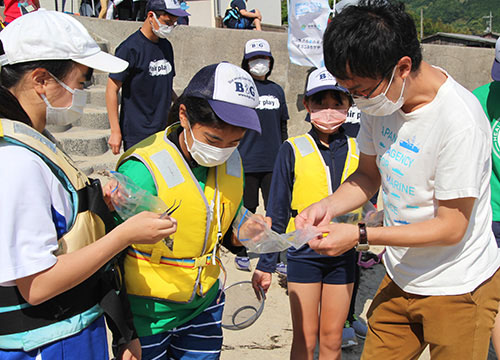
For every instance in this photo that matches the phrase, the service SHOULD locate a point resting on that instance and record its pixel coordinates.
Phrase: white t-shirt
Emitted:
(34, 207)
(441, 151)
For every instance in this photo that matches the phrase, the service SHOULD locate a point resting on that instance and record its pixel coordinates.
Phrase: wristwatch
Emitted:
(363, 238)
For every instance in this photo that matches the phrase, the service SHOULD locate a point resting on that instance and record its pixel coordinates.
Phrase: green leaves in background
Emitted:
(456, 16)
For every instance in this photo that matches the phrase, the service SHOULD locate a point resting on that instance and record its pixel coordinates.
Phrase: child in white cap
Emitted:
(258, 151)
(56, 280)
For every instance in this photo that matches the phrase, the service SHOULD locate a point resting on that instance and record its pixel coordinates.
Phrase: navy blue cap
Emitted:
(172, 7)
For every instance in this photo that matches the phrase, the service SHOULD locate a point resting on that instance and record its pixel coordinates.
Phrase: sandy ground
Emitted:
(270, 337)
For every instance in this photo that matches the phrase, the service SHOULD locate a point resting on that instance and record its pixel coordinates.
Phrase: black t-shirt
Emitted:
(147, 86)
(258, 152)
(240, 4)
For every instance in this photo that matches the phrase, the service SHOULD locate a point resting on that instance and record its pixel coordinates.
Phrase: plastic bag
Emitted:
(129, 199)
(258, 237)
(367, 213)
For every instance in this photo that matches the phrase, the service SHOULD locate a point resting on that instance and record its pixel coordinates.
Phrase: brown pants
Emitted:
(455, 327)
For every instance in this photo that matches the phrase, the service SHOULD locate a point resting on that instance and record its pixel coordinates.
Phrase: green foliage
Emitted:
(457, 16)
(284, 12)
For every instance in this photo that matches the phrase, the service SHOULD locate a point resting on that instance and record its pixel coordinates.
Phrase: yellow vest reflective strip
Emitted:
(85, 227)
(201, 261)
(312, 180)
(179, 274)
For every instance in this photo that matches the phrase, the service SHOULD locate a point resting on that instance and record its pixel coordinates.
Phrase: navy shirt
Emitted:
(258, 151)
(147, 86)
(280, 195)
(240, 4)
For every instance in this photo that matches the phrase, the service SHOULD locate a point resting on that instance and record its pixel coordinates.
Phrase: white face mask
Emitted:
(259, 67)
(380, 105)
(66, 115)
(205, 154)
(163, 30)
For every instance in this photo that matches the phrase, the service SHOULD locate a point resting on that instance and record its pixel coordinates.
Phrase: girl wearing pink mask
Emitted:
(308, 168)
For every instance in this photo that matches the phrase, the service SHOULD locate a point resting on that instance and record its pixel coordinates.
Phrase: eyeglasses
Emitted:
(386, 74)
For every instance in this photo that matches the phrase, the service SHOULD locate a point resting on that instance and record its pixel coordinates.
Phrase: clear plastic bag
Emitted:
(258, 237)
(129, 199)
(367, 213)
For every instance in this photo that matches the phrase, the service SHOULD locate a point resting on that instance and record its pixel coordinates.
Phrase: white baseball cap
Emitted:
(256, 47)
(231, 93)
(320, 80)
(52, 35)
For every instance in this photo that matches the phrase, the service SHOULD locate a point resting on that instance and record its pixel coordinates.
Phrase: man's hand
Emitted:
(340, 238)
(317, 214)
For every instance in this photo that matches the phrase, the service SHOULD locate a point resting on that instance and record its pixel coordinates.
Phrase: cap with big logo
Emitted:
(257, 47)
(231, 93)
(320, 80)
(495, 69)
(172, 7)
(52, 35)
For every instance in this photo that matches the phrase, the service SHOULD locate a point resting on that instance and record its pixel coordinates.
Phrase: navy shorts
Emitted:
(495, 225)
(335, 270)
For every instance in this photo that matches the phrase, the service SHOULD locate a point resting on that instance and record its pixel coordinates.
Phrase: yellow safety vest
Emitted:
(85, 227)
(178, 275)
(312, 180)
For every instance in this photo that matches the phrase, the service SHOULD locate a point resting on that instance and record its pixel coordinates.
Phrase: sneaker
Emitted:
(281, 268)
(348, 336)
(242, 263)
(359, 327)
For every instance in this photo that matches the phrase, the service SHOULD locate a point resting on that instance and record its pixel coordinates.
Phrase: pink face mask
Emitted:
(328, 120)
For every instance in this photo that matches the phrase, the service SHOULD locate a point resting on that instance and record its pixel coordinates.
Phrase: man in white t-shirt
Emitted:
(426, 141)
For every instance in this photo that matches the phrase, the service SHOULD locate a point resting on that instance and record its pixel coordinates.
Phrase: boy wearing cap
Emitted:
(258, 151)
(426, 141)
(489, 97)
(309, 167)
(173, 287)
(147, 84)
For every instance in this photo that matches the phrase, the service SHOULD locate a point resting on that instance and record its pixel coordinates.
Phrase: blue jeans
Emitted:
(199, 338)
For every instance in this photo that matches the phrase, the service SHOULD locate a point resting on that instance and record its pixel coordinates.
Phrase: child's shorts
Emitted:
(335, 270)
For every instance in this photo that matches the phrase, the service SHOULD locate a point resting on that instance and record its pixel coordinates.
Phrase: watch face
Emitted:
(362, 247)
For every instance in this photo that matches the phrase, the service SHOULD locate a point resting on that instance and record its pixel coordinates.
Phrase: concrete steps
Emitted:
(97, 95)
(83, 141)
(94, 117)
(96, 165)
(86, 141)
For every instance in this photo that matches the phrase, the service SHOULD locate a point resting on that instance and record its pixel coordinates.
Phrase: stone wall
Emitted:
(196, 47)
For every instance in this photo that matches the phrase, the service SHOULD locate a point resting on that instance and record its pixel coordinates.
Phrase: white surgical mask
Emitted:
(163, 30)
(259, 67)
(380, 105)
(205, 154)
(66, 115)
